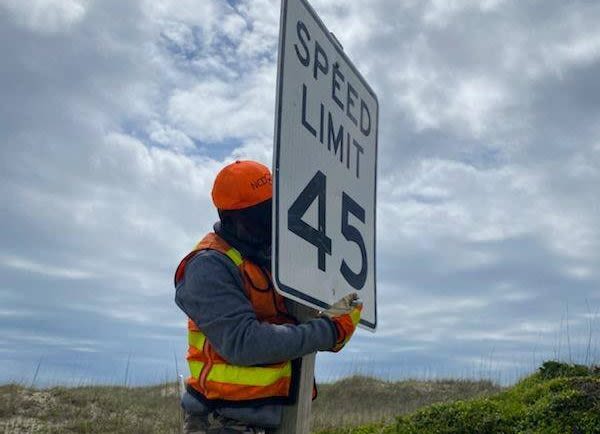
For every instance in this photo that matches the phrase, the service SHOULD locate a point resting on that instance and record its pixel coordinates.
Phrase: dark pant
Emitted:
(214, 423)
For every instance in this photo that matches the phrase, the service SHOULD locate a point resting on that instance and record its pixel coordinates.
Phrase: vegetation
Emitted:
(361, 400)
(95, 409)
(558, 399)
(156, 409)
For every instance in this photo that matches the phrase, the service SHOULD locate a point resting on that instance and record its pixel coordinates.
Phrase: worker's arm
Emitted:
(211, 294)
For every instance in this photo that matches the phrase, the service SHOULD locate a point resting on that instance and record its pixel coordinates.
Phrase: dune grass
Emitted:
(94, 409)
(361, 400)
(102, 409)
(558, 399)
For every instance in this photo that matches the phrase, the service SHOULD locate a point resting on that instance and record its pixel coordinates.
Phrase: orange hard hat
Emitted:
(241, 185)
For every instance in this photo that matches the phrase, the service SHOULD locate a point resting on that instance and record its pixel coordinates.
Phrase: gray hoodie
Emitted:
(211, 294)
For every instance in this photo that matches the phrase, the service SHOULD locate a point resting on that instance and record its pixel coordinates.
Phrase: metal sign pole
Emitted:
(296, 418)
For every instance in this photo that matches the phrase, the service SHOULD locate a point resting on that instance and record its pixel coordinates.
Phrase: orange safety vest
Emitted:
(212, 378)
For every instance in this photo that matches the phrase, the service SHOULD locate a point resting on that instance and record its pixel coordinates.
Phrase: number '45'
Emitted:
(316, 189)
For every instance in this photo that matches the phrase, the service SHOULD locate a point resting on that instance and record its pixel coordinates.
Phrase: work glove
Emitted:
(345, 315)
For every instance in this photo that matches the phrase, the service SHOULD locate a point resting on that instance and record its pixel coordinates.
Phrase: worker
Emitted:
(245, 349)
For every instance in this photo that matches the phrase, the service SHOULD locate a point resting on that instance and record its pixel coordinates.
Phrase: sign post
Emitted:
(325, 173)
(296, 418)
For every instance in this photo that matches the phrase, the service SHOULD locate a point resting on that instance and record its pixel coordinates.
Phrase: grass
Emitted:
(92, 409)
(361, 400)
(558, 399)
(100, 409)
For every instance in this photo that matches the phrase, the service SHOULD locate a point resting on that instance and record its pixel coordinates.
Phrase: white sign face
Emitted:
(325, 163)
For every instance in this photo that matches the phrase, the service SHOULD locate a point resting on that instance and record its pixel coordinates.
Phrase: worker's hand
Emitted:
(345, 315)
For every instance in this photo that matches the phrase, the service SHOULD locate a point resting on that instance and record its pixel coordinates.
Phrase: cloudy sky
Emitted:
(116, 116)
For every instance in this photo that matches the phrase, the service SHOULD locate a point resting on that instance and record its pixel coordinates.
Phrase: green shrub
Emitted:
(558, 399)
(551, 369)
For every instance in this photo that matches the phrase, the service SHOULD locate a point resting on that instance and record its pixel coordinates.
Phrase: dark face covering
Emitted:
(249, 231)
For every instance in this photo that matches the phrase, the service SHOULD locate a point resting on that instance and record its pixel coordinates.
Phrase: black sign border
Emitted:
(282, 287)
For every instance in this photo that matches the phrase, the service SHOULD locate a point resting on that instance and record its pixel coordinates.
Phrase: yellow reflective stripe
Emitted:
(235, 256)
(355, 316)
(195, 368)
(196, 339)
(248, 376)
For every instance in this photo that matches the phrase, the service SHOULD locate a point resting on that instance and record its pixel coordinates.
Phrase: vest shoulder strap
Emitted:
(210, 242)
(214, 242)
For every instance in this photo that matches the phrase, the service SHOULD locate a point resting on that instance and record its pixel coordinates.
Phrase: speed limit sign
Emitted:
(325, 163)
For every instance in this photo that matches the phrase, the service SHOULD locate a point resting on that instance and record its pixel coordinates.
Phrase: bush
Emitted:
(558, 399)
(550, 370)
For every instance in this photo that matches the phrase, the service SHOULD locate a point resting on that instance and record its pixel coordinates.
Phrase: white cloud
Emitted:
(234, 27)
(450, 198)
(180, 34)
(259, 149)
(218, 110)
(441, 12)
(47, 16)
(443, 199)
(26, 265)
(170, 137)
(581, 51)
(263, 17)
(475, 103)
(205, 14)
(16, 313)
